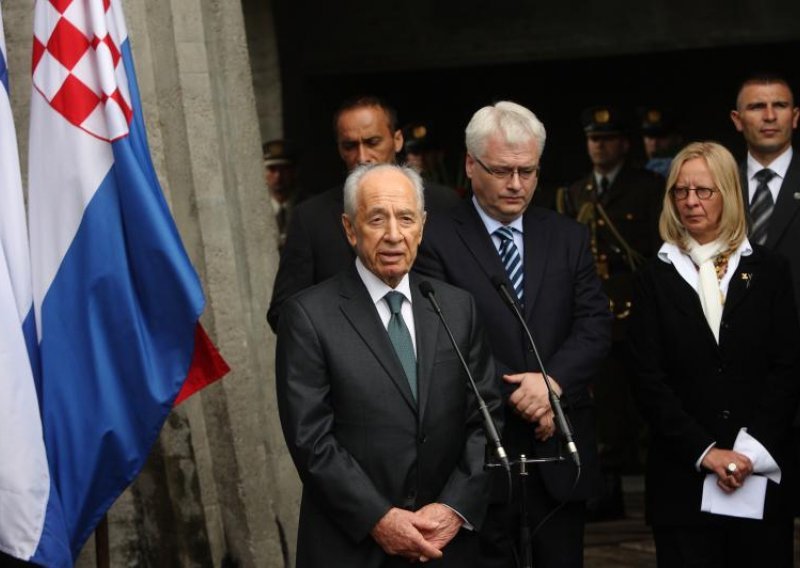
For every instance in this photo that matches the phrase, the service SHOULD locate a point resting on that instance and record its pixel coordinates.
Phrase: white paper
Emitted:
(746, 502)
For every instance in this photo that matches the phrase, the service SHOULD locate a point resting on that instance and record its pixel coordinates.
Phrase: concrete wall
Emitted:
(219, 487)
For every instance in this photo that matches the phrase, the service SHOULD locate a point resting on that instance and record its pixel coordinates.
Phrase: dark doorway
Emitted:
(698, 85)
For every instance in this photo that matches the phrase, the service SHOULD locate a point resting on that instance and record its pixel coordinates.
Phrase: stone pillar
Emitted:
(220, 475)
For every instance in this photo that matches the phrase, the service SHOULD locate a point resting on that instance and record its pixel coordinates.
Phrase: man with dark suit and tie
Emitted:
(766, 114)
(545, 260)
(374, 403)
(316, 246)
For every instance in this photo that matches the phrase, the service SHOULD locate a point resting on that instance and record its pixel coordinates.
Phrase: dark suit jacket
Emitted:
(565, 309)
(360, 442)
(316, 245)
(694, 392)
(784, 225)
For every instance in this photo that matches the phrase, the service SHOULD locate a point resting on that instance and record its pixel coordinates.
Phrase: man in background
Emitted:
(316, 245)
(280, 175)
(620, 204)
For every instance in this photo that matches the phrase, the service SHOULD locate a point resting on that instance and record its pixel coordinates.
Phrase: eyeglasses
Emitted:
(702, 193)
(507, 173)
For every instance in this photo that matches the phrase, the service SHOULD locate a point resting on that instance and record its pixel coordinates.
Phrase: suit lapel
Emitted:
(741, 282)
(684, 299)
(473, 233)
(615, 190)
(787, 207)
(360, 311)
(426, 328)
(537, 238)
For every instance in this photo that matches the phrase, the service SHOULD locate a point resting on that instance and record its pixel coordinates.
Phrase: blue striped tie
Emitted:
(509, 255)
(761, 207)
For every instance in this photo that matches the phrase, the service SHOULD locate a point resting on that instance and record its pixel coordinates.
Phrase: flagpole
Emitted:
(101, 547)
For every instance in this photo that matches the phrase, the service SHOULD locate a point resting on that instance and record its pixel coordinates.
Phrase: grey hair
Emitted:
(515, 123)
(353, 183)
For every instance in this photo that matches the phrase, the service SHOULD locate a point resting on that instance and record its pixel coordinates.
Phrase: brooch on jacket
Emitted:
(747, 277)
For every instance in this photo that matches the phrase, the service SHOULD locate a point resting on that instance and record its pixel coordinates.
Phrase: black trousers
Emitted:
(558, 542)
(727, 543)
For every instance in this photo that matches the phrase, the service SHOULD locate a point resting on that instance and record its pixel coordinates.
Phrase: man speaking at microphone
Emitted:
(374, 402)
(543, 260)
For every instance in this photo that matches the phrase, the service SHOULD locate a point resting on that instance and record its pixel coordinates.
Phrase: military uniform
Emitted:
(623, 223)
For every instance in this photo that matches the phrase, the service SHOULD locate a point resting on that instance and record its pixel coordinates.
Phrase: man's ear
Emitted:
(398, 140)
(737, 120)
(469, 165)
(349, 230)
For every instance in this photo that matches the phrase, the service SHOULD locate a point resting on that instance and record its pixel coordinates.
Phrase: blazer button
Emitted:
(724, 414)
(422, 439)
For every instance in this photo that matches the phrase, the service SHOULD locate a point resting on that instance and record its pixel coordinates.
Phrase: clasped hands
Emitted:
(531, 400)
(718, 461)
(417, 535)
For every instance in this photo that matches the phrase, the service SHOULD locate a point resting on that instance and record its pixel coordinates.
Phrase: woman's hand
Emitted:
(732, 468)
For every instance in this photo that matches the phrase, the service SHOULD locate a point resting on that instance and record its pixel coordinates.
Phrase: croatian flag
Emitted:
(24, 478)
(115, 297)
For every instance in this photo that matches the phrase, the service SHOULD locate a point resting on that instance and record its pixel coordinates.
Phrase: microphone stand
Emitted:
(555, 401)
(488, 424)
(525, 537)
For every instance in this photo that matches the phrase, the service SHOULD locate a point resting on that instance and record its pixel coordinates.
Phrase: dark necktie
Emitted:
(401, 339)
(761, 207)
(603, 186)
(509, 255)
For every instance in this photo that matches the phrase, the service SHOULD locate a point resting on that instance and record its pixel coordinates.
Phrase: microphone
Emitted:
(555, 401)
(488, 424)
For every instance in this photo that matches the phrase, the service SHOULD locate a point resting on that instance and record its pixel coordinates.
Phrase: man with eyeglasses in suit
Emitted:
(544, 260)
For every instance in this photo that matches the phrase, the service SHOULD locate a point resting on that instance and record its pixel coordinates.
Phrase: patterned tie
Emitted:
(401, 339)
(509, 254)
(761, 207)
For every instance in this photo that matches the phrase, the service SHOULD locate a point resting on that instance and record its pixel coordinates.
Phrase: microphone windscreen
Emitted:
(498, 282)
(426, 288)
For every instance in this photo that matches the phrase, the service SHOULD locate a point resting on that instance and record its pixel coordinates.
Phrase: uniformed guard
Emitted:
(620, 203)
(661, 137)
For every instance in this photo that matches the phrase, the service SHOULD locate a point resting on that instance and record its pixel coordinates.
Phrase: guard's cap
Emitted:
(656, 121)
(604, 120)
(277, 152)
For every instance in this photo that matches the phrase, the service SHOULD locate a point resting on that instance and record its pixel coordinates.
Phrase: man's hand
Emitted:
(530, 399)
(546, 427)
(400, 532)
(718, 461)
(447, 521)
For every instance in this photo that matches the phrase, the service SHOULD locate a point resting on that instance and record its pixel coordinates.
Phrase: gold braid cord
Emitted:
(634, 259)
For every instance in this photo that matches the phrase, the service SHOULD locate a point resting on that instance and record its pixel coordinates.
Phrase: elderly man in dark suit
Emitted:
(316, 246)
(545, 260)
(374, 403)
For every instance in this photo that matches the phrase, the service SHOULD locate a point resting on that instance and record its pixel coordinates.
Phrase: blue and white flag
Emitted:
(116, 299)
(24, 477)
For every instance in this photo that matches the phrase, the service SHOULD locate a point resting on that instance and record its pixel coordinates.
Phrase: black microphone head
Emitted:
(498, 282)
(426, 288)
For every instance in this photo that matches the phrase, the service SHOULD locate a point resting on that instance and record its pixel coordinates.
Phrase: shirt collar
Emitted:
(610, 176)
(377, 288)
(779, 165)
(493, 224)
